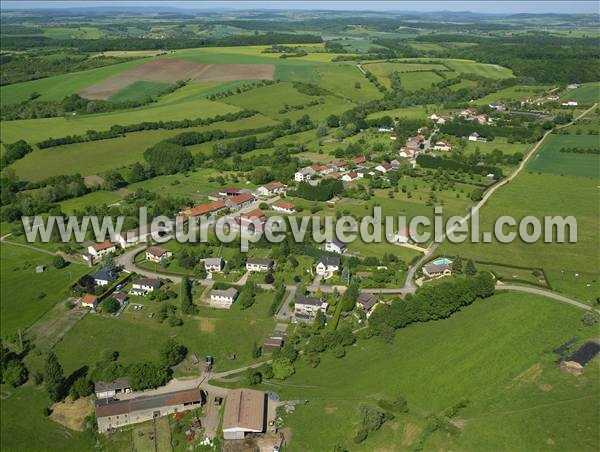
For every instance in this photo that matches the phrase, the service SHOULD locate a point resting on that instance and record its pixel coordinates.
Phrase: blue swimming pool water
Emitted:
(442, 261)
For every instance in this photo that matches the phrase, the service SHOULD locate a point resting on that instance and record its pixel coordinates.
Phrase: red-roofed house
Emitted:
(282, 206)
(240, 201)
(99, 250)
(359, 160)
(273, 188)
(384, 168)
(442, 145)
(252, 221)
(89, 301)
(350, 176)
(207, 209)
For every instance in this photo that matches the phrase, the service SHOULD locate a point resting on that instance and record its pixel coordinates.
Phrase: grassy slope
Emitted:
(587, 93)
(546, 194)
(21, 286)
(34, 130)
(435, 365)
(98, 156)
(551, 160)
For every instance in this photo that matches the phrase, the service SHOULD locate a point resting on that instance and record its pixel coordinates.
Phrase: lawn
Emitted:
(138, 91)
(496, 369)
(484, 70)
(136, 336)
(586, 94)
(572, 268)
(549, 159)
(27, 295)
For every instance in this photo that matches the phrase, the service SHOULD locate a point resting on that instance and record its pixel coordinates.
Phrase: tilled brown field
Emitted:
(170, 71)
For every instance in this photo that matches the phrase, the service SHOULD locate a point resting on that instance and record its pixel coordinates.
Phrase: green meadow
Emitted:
(413, 81)
(586, 93)
(549, 159)
(27, 295)
(497, 354)
(212, 332)
(572, 268)
(138, 91)
(93, 157)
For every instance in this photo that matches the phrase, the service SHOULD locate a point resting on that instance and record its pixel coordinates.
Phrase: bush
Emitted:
(360, 436)
(59, 262)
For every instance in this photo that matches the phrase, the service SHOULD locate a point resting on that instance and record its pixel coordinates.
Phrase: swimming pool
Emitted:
(442, 261)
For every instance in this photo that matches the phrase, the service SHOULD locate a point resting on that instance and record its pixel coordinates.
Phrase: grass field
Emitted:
(27, 295)
(341, 78)
(39, 432)
(502, 371)
(90, 158)
(587, 93)
(95, 198)
(139, 90)
(572, 268)
(549, 159)
(413, 81)
(513, 93)
(212, 332)
(60, 86)
(484, 70)
(34, 130)
(73, 33)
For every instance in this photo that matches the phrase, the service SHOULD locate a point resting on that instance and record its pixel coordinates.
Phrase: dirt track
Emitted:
(170, 71)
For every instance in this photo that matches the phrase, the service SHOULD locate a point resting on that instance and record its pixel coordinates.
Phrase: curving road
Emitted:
(547, 294)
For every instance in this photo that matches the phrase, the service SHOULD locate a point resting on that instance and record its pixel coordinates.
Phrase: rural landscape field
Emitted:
(263, 118)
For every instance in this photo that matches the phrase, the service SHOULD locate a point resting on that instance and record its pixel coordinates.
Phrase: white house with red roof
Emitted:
(99, 250)
(406, 152)
(285, 207)
(403, 236)
(384, 168)
(273, 188)
(442, 145)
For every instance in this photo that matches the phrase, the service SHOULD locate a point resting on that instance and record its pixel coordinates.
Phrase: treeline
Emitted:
(133, 43)
(466, 128)
(119, 130)
(24, 67)
(595, 151)
(241, 89)
(19, 198)
(75, 104)
(429, 161)
(545, 58)
(324, 191)
(430, 303)
(15, 151)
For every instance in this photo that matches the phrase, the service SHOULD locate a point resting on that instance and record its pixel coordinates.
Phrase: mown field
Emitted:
(27, 295)
(549, 159)
(572, 268)
(586, 93)
(517, 397)
(513, 93)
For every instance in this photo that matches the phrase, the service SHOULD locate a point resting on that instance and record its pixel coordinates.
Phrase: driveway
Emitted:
(285, 312)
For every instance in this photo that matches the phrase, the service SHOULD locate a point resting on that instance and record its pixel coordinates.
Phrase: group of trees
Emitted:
(12, 370)
(169, 158)
(187, 305)
(514, 133)
(454, 163)
(430, 303)
(327, 189)
(15, 151)
(575, 150)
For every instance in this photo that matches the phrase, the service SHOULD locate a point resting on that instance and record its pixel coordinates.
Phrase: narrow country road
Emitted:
(126, 260)
(547, 294)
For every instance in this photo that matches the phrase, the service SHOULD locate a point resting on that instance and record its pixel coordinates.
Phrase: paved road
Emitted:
(126, 260)
(547, 294)
(284, 312)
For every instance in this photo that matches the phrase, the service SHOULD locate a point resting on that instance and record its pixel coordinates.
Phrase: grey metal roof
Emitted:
(330, 260)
